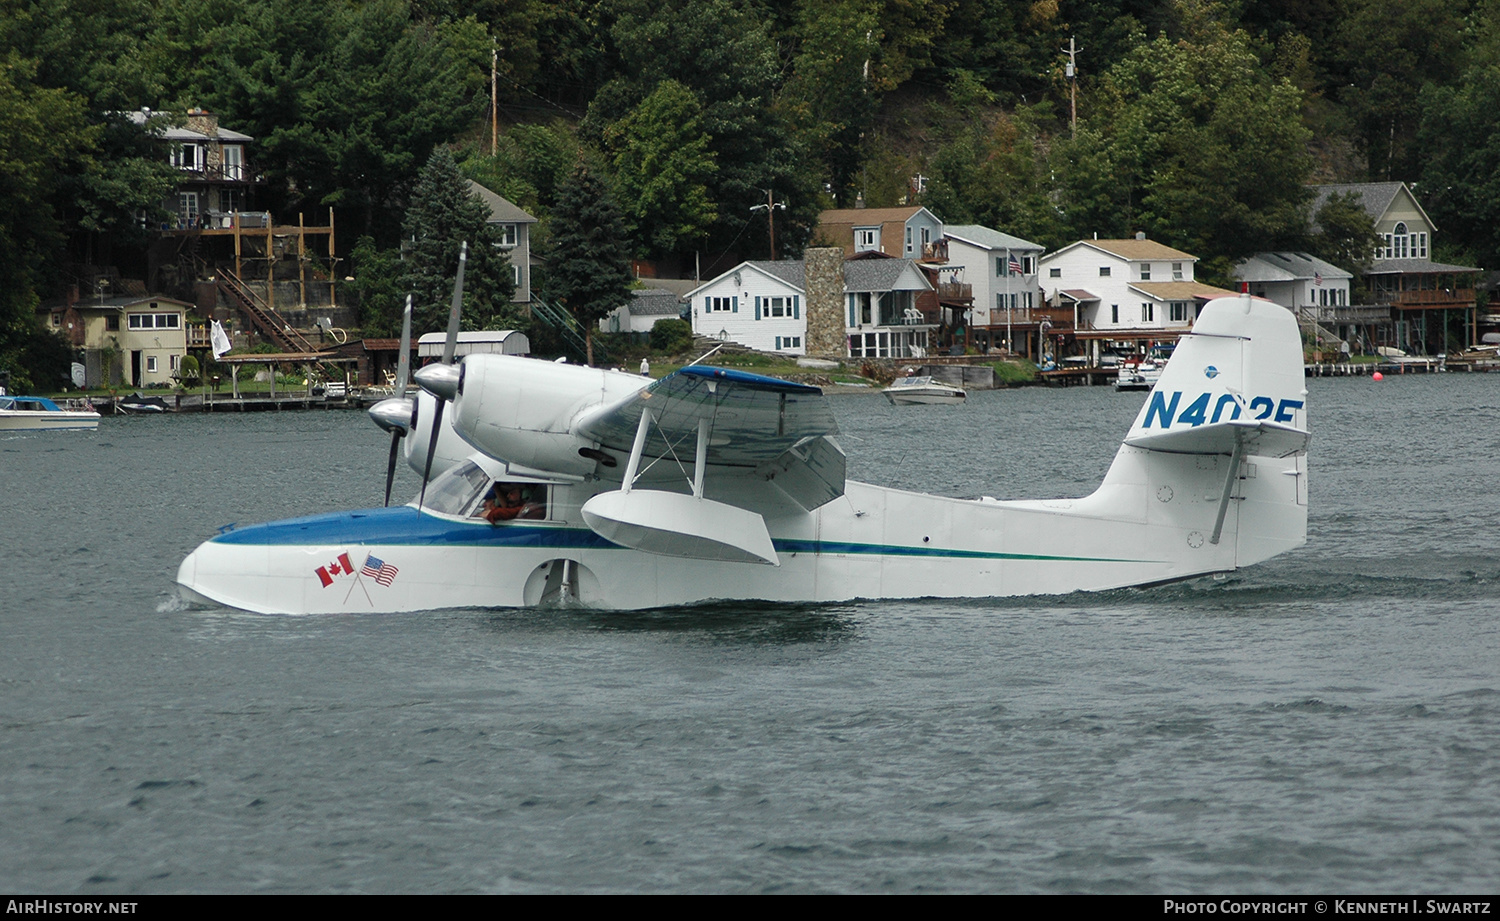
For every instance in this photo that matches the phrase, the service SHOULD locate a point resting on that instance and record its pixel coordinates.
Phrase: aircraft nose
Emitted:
(440, 380)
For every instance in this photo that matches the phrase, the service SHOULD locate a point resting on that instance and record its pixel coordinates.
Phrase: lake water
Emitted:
(1325, 722)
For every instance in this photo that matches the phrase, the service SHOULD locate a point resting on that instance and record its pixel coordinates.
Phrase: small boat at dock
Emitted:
(39, 414)
(913, 390)
(1139, 375)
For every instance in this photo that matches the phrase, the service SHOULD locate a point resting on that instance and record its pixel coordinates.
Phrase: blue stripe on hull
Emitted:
(405, 526)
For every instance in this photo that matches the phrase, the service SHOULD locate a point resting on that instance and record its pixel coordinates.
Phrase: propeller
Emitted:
(441, 380)
(398, 414)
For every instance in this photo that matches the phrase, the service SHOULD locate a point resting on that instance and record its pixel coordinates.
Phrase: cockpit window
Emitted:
(457, 489)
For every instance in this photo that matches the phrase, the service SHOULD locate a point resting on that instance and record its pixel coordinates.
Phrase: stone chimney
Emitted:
(823, 268)
(203, 122)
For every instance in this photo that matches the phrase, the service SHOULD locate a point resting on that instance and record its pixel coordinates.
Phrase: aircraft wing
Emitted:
(781, 429)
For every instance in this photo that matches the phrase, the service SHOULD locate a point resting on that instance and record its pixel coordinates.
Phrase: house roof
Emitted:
(869, 217)
(122, 302)
(1415, 266)
(502, 211)
(1079, 294)
(787, 271)
(654, 302)
(861, 275)
(1286, 266)
(1139, 249)
(984, 237)
(1375, 197)
(183, 133)
(1180, 290)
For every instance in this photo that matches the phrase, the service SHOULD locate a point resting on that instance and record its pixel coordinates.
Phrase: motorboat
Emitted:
(1141, 375)
(912, 390)
(36, 414)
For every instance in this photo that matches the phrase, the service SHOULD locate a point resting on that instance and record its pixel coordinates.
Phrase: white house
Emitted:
(1295, 280)
(884, 320)
(646, 308)
(1131, 287)
(764, 305)
(757, 304)
(1000, 272)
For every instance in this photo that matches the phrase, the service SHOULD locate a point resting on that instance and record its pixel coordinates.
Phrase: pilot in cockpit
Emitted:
(508, 501)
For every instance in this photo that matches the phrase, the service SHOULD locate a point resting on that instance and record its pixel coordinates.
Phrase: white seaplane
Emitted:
(713, 483)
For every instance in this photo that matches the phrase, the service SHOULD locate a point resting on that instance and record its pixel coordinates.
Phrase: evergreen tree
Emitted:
(444, 214)
(589, 270)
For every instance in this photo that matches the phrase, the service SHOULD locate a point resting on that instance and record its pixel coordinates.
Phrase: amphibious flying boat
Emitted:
(713, 483)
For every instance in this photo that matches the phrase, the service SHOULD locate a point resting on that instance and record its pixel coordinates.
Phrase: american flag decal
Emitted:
(379, 570)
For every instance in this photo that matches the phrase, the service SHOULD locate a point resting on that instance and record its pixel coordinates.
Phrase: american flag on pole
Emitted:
(379, 570)
(1318, 279)
(1015, 266)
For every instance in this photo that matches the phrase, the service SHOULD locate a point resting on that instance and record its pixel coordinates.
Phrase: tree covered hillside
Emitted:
(1198, 122)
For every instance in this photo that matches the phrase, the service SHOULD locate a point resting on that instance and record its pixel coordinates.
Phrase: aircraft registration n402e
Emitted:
(559, 484)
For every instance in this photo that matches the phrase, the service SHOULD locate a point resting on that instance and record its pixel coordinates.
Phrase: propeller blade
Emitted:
(448, 375)
(458, 302)
(390, 467)
(403, 369)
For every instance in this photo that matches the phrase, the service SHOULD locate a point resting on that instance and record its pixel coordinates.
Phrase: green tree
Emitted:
(1194, 144)
(44, 137)
(443, 215)
(589, 266)
(663, 165)
(1344, 234)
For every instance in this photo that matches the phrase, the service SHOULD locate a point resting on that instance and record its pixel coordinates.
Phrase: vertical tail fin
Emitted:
(1226, 429)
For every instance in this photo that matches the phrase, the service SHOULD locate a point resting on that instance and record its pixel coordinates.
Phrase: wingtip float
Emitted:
(562, 484)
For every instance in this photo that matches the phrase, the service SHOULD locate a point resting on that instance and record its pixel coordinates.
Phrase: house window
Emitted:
(1114, 313)
(150, 364)
(1054, 273)
(515, 271)
(187, 208)
(1179, 311)
(1145, 271)
(507, 234)
(999, 266)
(718, 304)
(155, 321)
(866, 239)
(1103, 271)
(777, 306)
(788, 342)
(1026, 300)
(112, 323)
(57, 318)
(187, 157)
(172, 363)
(908, 241)
(1028, 265)
(234, 163)
(1177, 271)
(1419, 245)
(231, 200)
(1148, 313)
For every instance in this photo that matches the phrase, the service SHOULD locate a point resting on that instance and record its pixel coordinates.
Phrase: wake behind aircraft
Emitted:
(582, 486)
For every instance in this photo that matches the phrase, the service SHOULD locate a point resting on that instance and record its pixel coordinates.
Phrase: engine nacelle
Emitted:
(522, 410)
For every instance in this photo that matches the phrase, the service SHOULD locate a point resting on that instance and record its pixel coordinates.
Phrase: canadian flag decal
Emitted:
(339, 567)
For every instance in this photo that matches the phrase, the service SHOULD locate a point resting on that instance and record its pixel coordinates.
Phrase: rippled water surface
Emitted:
(1328, 721)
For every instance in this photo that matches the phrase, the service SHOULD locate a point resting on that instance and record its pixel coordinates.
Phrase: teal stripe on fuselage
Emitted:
(405, 526)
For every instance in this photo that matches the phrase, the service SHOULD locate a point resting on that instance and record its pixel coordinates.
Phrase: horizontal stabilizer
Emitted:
(674, 524)
(1266, 439)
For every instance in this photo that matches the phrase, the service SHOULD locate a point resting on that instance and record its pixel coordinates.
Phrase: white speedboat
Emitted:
(909, 390)
(1139, 376)
(35, 414)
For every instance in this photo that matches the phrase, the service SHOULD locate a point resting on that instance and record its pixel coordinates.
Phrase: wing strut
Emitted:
(635, 451)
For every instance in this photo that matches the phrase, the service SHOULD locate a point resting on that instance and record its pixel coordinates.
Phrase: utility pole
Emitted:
(1071, 72)
(770, 208)
(494, 98)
